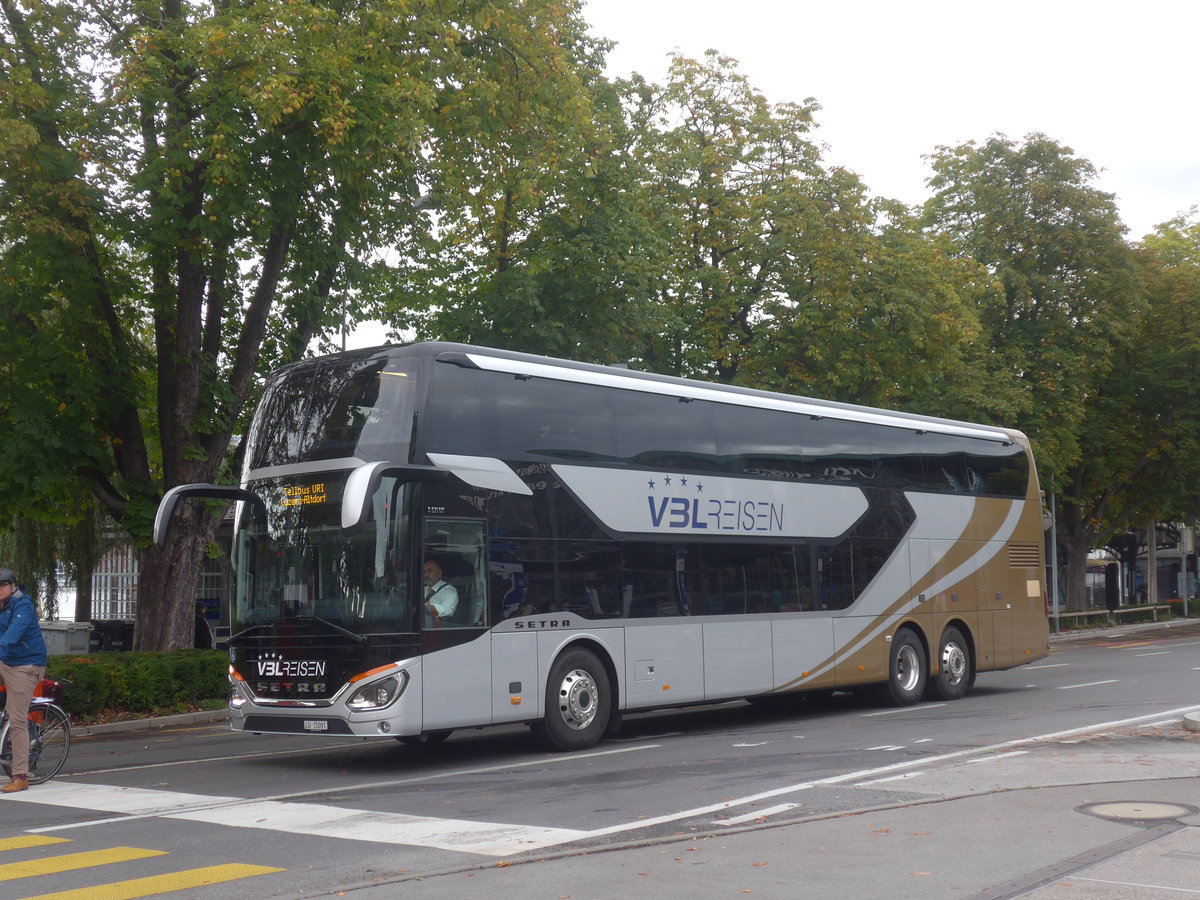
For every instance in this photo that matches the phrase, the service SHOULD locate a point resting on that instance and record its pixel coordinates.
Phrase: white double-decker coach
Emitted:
(438, 536)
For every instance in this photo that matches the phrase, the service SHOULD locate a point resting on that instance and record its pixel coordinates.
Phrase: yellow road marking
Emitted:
(161, 884)
(30, 840)
(71, 861)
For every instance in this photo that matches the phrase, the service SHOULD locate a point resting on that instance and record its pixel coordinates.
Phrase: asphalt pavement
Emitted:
(1110, 813)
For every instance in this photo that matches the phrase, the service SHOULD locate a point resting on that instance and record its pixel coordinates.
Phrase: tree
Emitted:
(784, 273)
(1140, 449)
(736, 183)
(541, 240)
(1069, 316)
(1029, 213)
(195, 190)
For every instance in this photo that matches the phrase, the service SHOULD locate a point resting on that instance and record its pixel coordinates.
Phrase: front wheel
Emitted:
(907, 670)
(955, 670)
(49, 742)
(578, 703)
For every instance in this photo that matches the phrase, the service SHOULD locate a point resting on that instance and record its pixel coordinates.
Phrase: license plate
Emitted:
(316, 725)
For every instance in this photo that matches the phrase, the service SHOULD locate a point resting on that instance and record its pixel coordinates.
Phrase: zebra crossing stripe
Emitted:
(69, 862)
(462, 835)
(161, 884)
(25, 841)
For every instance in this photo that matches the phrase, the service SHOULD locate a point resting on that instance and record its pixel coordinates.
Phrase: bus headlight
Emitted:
(378, 694)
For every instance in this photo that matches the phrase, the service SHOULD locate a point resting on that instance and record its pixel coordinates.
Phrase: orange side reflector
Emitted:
(515, 701)
(666, 687)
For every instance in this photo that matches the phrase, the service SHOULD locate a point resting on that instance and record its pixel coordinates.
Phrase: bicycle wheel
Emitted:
(5, 748)
(49, 742)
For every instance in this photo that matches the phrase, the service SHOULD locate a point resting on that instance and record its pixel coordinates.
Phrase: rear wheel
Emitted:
(907, 670)
(49, 742)
(954, 674)
(578, 703)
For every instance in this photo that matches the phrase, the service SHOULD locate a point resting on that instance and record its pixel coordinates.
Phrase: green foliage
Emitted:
(1029, 213)
(196, 191)
(140, 682)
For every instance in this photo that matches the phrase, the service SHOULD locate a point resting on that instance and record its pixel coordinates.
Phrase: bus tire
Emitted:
(954, 666)
(908, 670)
(578, 703)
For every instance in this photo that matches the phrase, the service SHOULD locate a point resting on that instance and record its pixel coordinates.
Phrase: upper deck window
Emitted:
(334, 409)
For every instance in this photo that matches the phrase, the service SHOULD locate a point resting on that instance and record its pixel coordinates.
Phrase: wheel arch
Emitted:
(602, 653)
(918, 629)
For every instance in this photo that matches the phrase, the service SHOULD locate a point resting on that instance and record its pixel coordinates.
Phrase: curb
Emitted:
(196, 718)
(1191, 721)
(1081, 633)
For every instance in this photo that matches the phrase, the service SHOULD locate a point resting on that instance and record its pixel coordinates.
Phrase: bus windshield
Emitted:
(299, 564)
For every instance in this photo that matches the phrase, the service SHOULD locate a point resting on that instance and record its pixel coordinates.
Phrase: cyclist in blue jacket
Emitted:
(22, 666)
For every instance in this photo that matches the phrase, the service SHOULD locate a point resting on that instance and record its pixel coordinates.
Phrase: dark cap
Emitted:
(7, 575)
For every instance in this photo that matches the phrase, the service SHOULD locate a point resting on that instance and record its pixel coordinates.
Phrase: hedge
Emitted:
(135, 682)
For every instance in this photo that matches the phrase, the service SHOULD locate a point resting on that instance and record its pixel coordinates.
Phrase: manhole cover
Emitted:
(1138, 811)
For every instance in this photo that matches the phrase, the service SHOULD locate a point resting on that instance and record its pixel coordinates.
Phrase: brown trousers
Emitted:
(20, 683)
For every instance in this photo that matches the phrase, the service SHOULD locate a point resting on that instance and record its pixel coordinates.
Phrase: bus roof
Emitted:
(515, 363)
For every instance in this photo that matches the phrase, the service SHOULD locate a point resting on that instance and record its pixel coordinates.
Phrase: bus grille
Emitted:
(1024, 556)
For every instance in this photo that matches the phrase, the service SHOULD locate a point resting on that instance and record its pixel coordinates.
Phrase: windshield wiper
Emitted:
(234, 637)
(358, 637)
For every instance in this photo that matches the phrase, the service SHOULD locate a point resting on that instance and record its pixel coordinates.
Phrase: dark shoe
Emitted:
(18, 783)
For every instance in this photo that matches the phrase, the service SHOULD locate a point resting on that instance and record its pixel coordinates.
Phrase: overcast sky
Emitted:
(1117, 82)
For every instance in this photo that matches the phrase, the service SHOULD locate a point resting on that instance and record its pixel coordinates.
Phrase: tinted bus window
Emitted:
(341, 407)
(760, 442)
(840, 451)
(994, 468)
(664, 432)
(649, 580)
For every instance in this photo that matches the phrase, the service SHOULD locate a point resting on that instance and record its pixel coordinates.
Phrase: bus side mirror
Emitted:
(166, 506)
(363, 482)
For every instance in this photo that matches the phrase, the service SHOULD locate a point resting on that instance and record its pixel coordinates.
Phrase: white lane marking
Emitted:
(919, 707)
(211, 759)
(1047, 666)
(487, 838)
(996, 756)
(885, 747)
(1131, 884)
(759, 744)
(539, 836)
(1155, 653)
(755, 816)
(882, 770)
(415, 779)
(1071, 687)
(901, 777)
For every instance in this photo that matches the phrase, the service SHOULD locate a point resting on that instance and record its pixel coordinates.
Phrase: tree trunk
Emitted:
(167, 581)
(83, 599)
(1077, 557)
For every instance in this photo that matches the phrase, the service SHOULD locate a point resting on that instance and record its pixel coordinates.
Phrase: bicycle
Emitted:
(49, 734)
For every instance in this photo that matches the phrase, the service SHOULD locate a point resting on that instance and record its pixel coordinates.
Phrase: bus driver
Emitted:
(441, 597)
